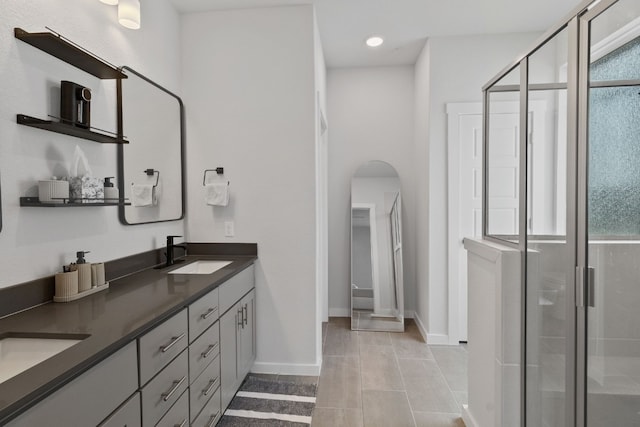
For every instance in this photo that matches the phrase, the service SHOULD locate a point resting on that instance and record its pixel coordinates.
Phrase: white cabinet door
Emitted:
(247, 349)
(229, 326)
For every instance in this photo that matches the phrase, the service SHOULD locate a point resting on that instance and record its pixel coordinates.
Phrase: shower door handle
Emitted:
(585, 287)
(591, 286)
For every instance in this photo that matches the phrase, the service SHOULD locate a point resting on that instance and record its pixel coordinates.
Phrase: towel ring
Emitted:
(218, 170)
(151, 172)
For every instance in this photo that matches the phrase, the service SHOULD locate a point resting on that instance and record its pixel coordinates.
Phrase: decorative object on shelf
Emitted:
(75, 104)
(129, 14)
(83, 185)
(53, 190)
(110, 191)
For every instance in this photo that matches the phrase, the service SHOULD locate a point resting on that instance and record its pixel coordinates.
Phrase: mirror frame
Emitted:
(120, 130)
(399, 284)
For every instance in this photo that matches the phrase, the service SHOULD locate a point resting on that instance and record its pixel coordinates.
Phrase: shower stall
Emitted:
(562, 185)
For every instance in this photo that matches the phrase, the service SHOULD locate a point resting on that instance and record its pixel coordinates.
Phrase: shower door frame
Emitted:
(577, 237)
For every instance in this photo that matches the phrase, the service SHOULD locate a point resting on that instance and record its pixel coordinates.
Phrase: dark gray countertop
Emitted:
(112, 318)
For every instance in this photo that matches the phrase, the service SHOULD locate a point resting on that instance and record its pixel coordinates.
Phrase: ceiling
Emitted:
(405, 24)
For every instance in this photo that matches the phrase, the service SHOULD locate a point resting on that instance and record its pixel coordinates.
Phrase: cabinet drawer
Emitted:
(202, 314)
(164, 390)
(203, 351)
(210, 414)
(127, 415)
(88, 399)
(160, 345)
(178, 415)
(233, 289)
(204, 387)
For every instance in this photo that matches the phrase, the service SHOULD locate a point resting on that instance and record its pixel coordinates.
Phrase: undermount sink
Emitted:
(19, 353)
(201, 267)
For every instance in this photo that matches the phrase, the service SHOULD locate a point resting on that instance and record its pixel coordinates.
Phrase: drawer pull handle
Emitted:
(245, 315)
(173, 342)
(239, 317)
(212, 347)
(212, 419)
(182, 424)
(166, 396)
(209, 312)
(210, 386)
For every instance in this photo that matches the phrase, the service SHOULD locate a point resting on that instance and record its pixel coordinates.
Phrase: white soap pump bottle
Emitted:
(111, 194)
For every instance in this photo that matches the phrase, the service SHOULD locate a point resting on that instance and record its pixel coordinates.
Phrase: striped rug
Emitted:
(263, 402)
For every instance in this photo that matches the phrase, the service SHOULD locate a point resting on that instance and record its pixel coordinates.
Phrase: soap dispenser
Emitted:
(84, 272)
(111, 194)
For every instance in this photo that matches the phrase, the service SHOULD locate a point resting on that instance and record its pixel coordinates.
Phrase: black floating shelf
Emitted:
(57, 46)
(35, 202)
(66, 129)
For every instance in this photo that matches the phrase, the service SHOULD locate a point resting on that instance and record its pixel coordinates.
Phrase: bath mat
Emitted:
(264, 402)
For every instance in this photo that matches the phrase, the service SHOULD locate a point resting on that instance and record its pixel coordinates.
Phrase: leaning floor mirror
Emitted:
(377, 300)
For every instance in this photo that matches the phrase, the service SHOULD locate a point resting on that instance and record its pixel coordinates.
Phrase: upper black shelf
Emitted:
(67, 129)
(57, 46)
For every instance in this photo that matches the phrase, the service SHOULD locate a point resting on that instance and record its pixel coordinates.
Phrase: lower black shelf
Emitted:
(67, 129)
(67, 203)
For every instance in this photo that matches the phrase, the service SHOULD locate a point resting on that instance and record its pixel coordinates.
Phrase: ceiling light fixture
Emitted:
(374, 41)
(110, 2)
(129, 14)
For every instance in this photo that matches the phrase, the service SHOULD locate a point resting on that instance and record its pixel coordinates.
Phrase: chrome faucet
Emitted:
(169, 253)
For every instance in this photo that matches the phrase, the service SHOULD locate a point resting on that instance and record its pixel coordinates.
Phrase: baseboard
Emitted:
(420, 325)
(438, 339)
(468, 419)
(339, 312)
(286, 368)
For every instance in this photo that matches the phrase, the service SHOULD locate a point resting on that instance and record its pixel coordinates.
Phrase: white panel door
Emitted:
(503, 176)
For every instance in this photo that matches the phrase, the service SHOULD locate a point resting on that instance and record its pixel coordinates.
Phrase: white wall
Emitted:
(35, 242)
(249, 91)
(371, 114)
(457, 69)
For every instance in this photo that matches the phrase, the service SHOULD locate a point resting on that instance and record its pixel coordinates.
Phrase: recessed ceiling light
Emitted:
(374, 41)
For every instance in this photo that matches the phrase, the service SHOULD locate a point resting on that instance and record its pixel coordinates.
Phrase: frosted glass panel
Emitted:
(614, 146)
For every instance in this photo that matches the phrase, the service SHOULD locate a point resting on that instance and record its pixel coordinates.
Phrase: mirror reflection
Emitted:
(376, 249)
(150, 167)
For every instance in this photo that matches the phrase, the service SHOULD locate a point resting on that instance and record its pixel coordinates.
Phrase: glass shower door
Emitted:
(609, 257)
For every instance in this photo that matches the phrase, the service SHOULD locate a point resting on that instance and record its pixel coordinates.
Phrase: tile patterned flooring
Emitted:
(388, 379)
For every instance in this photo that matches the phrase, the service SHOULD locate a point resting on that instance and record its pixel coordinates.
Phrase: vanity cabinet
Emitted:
(182, 372)
(237, 333)
(90, 398)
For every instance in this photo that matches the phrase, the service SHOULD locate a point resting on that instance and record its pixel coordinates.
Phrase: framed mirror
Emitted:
(151, 166)
(377, 293)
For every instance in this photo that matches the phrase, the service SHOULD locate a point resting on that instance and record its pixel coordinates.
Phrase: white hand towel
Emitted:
(142, 195)
(217, 193)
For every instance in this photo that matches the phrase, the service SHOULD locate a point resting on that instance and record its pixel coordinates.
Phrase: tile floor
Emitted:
(388, 379)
